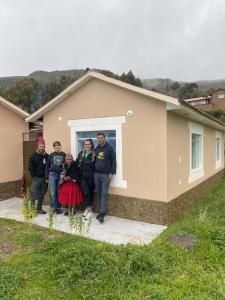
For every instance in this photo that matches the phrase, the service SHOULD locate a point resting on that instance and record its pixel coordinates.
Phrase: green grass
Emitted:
(45, 265)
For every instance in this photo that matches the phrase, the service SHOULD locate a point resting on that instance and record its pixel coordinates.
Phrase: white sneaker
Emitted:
(85, 212)
(89, 216)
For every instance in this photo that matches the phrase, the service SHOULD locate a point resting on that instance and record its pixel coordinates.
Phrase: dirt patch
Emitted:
(182, 240)
(6, 249)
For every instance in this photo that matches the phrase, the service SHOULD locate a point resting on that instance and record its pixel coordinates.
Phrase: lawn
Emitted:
(38, 264)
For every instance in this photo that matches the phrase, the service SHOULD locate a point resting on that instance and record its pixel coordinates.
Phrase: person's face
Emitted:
(101, 139)
(41, 148)
(57, 148)
(68, 161)
(87, 146)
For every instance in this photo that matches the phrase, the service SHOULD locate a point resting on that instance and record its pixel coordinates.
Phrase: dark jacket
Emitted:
(105, 159)
(86, 165)
(72, 171)
(55, 163)
(37, 164)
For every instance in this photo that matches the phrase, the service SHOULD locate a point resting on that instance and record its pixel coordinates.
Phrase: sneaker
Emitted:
(85, 212)
(98, 215)
(101, 218)
(41, 211)
(58, 211)
(66, 213)
(89, 215)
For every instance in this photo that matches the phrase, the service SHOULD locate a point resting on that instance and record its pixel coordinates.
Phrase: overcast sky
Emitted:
(177, 39)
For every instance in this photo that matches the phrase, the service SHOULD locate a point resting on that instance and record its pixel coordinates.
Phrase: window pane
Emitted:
(218, 153)
(109, 134)
(196, 148)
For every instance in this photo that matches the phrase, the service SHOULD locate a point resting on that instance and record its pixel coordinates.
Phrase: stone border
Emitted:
(158, 212)
(9, 189)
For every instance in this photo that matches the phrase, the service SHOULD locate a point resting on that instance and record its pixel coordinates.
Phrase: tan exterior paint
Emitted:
(144, 139)
(12, 127)
(178, 156)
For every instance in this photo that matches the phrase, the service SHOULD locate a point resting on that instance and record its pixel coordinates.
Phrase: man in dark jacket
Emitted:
(105, 168)
(37, 165)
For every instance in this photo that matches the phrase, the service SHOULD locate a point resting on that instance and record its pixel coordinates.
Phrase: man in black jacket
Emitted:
(37, 165)
(105, 168)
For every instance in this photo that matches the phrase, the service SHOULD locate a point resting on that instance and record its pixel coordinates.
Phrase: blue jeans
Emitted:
(54, 181)
(102, 186)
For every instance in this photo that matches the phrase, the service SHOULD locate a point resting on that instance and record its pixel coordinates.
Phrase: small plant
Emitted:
(29, 211)
(77, 223)
(51, 219)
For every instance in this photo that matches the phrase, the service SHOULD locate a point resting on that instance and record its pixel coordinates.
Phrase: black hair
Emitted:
(101, 133)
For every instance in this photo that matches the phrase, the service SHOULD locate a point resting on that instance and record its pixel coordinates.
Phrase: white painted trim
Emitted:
(97, 121)
(195, 174)
(218, 164)
(98, 124)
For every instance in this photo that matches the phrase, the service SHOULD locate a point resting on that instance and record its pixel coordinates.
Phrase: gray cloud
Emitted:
(179, 39)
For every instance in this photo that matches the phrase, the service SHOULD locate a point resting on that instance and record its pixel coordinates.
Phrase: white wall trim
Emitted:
(195, 174)
(98, 124)
(97, 121)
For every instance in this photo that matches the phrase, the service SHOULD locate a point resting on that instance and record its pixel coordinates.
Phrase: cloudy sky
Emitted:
(178, 39)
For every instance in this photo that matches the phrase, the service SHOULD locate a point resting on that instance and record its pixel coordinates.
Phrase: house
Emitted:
(214, 102)
(168, 152)
(12, 127)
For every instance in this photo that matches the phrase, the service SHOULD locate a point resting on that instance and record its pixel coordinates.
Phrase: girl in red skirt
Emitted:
(70, 193)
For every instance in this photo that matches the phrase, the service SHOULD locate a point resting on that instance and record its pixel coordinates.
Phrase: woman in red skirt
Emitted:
(70, 193)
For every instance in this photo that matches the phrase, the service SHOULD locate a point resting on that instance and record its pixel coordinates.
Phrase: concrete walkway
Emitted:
(114, 230)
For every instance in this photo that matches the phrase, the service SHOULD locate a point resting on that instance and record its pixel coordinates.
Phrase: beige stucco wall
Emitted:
(178, 159)
(12, 128)
(144, 139)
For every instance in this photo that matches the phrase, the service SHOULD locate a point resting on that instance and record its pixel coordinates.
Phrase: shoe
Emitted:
(66, 213)
(89, 215)
(98, 215)
(101, 218)
(85, 213)
(58, 211)
(41, 211)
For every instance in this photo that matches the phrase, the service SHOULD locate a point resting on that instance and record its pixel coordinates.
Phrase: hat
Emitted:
(40, 141)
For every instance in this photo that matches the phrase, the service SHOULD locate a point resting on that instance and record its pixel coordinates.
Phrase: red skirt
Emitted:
(70, 194)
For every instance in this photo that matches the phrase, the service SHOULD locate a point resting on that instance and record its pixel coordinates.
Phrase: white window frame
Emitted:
(100, 124)
(218, 162)
(195, 174)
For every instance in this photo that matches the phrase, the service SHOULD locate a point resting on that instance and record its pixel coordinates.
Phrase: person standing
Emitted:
(70, 193)
(105, 168)
(86, 161)
(37, 165)
(53, 169)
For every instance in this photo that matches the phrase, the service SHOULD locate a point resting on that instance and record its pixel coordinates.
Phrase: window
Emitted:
(196, 151)
(109, 134)
(221, 96)
(112, 128)
(218, 150)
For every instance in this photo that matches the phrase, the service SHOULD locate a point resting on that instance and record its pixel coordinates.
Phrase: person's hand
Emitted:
(46, 180)
(110, 176)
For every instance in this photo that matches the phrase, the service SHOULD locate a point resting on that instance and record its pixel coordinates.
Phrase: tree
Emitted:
(23, 93)
(174, 86)
(189, 90)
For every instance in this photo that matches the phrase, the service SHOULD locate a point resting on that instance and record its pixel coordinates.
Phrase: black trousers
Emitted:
(87, 186)
(37, 191)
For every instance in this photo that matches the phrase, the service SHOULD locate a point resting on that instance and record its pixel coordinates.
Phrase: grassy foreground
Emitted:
(38, 264)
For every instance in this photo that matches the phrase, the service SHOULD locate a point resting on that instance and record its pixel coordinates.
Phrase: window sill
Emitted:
(218, 165)
(195, 174)
(118, 182)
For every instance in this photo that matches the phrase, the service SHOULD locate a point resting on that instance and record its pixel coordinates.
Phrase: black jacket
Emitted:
(72, 171)
(86, 165)
(105, 159)
(37, 164)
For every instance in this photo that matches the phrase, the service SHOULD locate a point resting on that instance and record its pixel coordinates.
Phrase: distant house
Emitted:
(214, 102)
(168, 152)
(12, 127)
